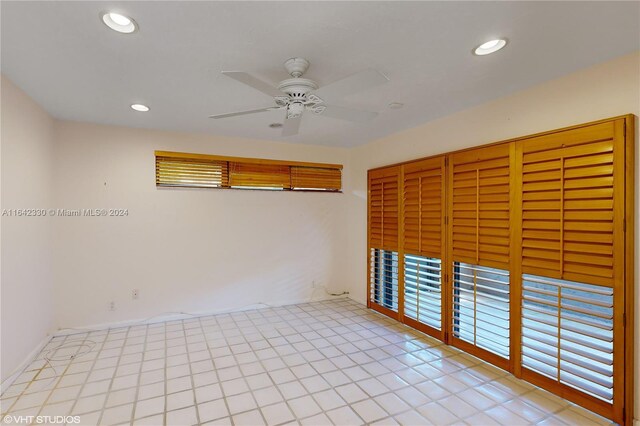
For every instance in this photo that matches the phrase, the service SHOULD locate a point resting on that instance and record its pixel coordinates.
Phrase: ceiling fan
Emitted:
(297, 95)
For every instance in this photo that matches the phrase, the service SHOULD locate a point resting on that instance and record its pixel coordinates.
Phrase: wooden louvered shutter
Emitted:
(538, 265)
(316, 178)
(568, 204)
(424, 207)
(383, 208)
(257, 175)
(479, 204)
(572, 258)
(423, 224)
(383, 217)
(191, 172)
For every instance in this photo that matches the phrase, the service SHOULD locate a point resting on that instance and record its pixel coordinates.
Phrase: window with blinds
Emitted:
(315, 178)
(258, 176)
(191, 172)
(520, 253)
(177, 169)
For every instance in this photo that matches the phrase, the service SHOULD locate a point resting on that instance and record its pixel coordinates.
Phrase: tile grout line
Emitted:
(115, 370)
(95, 360)
(193, 389)
(56, 382)
(139, 378)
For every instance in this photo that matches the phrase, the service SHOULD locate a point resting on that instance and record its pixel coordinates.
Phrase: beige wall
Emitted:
(27, 285)
(185, 250)
(603, 91)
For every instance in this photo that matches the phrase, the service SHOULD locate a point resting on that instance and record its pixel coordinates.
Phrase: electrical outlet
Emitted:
(135, 293)
(112, 306)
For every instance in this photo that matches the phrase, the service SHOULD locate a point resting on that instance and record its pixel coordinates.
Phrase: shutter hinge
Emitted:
(624, 319)
(446, 220)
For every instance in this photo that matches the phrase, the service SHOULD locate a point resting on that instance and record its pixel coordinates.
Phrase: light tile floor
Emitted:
(332, 362)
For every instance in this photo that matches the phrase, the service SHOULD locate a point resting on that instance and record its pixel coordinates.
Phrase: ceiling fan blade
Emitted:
(353, 84)
(254, 82)
(251, 111)
(291, 126)
(348, 114)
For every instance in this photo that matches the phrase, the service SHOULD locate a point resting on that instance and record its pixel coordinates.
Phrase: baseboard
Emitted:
(6, 383)
(174, 316)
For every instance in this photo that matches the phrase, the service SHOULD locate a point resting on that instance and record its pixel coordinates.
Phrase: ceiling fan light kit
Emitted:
(297, 94)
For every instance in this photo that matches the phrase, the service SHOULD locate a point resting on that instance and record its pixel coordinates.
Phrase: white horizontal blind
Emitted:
(567, 333)
(384, 278)
(423, 290)
(481, 307)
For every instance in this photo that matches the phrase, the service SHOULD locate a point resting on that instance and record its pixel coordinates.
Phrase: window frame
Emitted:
(233, 162)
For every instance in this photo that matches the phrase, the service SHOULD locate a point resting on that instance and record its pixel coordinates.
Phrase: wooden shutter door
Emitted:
(423, 216)
(383, 217)
(479, 244)
(572, 258)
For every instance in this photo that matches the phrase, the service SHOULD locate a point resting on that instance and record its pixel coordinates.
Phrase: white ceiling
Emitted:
(62, 55)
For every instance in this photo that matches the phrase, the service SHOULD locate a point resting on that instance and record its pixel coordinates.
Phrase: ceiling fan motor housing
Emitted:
(297, 88)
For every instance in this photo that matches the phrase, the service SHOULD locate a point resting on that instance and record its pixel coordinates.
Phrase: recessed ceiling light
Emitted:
(140, 107)
(395, 105)
(490, 47)
(275, 125)
(119, 22)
